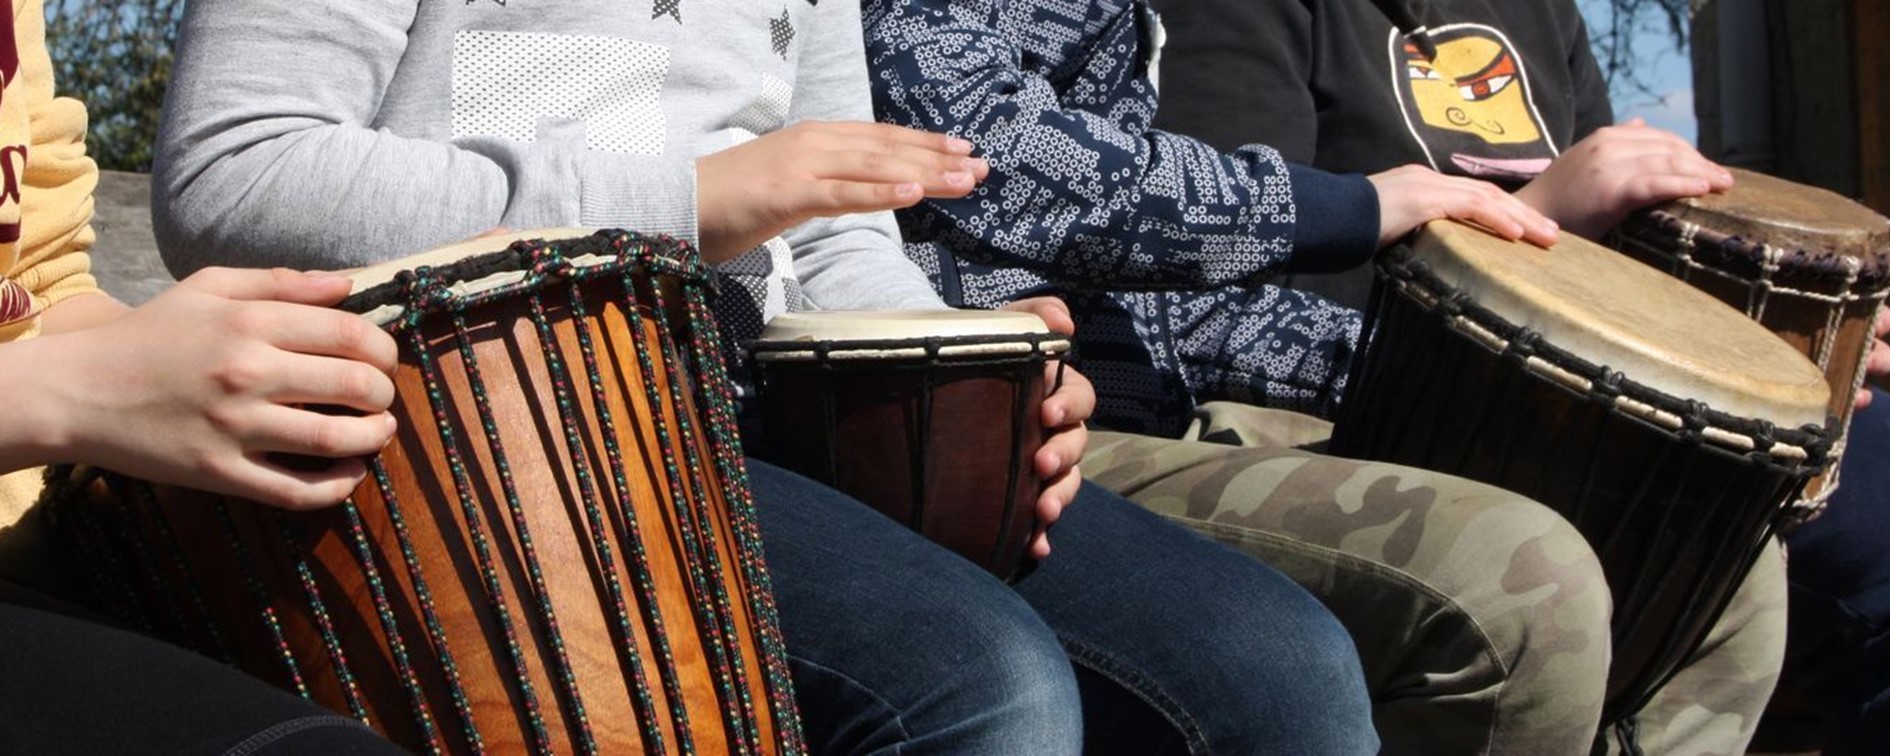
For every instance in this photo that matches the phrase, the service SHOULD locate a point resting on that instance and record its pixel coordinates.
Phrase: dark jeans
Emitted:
(68, 686)
(898, 646)
(1839, 640)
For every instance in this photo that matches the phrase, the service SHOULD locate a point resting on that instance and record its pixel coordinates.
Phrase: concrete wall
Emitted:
(125, 258)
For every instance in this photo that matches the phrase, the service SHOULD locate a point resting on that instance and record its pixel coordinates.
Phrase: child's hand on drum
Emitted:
(1879, 365)
(200, 385)
(749, 193)
(1063, 413)
(1618, 170)
(1412, 195)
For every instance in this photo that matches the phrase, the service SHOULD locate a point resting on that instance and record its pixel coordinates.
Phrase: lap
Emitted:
(1203, 634)
(74, 686)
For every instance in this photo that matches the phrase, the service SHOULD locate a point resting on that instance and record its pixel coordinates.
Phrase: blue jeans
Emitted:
(898, 646)
(1839, 638)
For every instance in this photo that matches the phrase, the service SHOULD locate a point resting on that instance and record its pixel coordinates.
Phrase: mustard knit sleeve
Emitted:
(56, 191)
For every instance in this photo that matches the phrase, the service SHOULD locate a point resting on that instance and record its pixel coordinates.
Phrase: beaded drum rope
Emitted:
(711, 511)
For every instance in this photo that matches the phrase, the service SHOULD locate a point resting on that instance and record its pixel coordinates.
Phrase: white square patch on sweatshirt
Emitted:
(504, 83)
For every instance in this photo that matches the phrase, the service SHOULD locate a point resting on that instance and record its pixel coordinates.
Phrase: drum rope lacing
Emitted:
(1663, 234)
(593, 511)
(1431, 319)
(927, 355)
(425, 292)
(1674, 415)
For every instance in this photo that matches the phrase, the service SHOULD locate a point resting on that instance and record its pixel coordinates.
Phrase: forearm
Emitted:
(81, 312)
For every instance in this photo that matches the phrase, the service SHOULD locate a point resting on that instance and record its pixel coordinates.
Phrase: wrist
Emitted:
(39, 428)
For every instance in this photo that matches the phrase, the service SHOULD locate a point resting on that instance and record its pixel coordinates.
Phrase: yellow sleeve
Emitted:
(56, 192)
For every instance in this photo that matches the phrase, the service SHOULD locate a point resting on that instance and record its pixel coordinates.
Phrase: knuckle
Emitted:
(330, 438)
(240, 373)
(358, 384)
(249, 320)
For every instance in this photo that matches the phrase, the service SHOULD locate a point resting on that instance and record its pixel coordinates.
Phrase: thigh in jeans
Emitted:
(1233, 654)
(897, 645)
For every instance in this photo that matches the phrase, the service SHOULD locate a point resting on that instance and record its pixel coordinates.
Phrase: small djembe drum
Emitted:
(1809, 264)
(931, 417)
(1669, 429)
(557, 553)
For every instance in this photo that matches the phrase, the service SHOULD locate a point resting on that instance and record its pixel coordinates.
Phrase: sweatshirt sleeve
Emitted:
(1238, 71)
(56, 188)
(853, 262)
(268, 156)
(1081, 190)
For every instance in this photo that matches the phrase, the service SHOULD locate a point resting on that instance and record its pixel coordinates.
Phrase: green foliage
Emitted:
(115, 56)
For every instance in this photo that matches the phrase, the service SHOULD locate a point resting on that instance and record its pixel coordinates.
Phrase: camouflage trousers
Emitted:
(1481, 616)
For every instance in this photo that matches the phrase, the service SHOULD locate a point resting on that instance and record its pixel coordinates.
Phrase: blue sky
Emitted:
(1669, 73)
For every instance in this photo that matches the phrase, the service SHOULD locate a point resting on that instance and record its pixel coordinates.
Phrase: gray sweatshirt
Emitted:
(331, 135)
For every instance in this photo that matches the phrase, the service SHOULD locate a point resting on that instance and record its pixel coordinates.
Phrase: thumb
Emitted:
(275, 284)
(1055, 314)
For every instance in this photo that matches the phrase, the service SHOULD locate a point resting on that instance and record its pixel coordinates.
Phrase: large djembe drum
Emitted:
(1809, 264)
(932, 417)
(557, 553)
(1668, 428)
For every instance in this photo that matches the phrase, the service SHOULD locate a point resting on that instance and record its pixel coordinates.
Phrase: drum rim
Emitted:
(1807, 446)
(981, 348)
(525, 261)
(1751, 259)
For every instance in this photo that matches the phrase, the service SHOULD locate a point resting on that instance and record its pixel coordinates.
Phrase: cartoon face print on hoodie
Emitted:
(1472, 107)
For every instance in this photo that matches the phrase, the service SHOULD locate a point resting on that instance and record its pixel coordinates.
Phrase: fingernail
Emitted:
(1056, 415)
(1056, 461)
(960, 146)
(958, 178)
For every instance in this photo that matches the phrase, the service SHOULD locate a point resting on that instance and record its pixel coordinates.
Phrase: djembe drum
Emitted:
(932, 417)
(1807, 263)
(556, 554)
(1669, 429)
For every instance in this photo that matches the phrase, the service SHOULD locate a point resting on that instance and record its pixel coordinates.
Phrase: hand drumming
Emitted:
(1618, 170)
(752, 192)
(1411, 196)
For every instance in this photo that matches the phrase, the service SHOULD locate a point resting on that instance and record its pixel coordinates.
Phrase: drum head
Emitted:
(891, 334)
(1656, 330)
(1787, 215)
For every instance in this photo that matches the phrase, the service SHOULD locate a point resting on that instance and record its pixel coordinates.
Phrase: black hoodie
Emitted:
(1333, 84)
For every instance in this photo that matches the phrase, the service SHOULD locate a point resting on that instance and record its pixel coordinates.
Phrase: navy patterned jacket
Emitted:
(1161, 244)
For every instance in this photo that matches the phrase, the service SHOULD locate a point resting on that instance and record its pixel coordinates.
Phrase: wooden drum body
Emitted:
(557, 553)
(1666, 427)
(1808, 264)
(931, 417)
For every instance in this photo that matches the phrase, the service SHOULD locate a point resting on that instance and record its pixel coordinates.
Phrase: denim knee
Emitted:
(897, 644)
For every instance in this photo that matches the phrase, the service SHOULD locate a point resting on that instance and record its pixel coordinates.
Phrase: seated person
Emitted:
(1165, 245)
(417, 123)
(146, 391)
(1514, 95)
